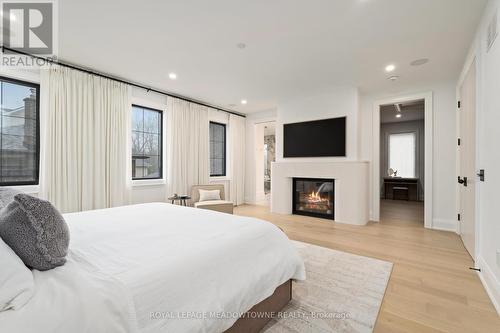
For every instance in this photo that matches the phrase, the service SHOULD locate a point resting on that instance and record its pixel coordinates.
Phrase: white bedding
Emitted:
(157, 268)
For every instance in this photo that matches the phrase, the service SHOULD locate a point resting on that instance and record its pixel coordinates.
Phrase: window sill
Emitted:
(219, 178)
(148, 182)
(28, 189)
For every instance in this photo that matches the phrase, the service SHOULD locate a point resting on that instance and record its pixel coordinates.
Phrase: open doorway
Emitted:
(269, 155)
(379, 171)
(265, 142)
(402, 161)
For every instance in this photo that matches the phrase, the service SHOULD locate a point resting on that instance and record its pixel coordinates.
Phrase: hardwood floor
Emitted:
(431, 288)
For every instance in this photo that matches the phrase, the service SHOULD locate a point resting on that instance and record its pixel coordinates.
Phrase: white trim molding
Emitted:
(28, 189)
(429, 148)
(490, 282)
(148, 182)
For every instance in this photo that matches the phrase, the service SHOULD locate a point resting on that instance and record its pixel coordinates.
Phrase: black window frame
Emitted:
(223, 174)
(160, 148)
(36, 86)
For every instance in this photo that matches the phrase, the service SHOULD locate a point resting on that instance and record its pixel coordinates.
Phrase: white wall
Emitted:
(336, 102)
(252, 151)
(444, 145)
(488, 156)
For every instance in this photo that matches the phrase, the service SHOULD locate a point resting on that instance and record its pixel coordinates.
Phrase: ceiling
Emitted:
(413, 110)
(292, 47)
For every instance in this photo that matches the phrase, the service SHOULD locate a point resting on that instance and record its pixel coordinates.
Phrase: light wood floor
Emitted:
(431, 287)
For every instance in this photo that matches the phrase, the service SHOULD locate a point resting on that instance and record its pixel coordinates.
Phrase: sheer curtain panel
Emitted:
(85, 156)
(187, 146)
(237, 158)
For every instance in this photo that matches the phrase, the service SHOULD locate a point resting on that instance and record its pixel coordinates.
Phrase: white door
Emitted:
(467, 159)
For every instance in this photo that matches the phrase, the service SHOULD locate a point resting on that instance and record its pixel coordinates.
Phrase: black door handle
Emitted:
(462, 181)
(481, 175)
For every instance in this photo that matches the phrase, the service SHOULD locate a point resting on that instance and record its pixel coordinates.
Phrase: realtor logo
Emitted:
(28, 26)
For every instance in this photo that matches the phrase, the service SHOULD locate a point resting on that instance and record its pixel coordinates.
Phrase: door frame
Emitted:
(471, 60)
(428, 146)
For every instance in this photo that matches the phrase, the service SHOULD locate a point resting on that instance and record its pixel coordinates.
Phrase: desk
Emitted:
(411, 183)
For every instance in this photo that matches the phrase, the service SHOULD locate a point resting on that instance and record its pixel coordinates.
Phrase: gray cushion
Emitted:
(36, 231)
(6, 196)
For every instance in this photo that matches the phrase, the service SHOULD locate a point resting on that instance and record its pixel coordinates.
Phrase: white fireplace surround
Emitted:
(351, 187)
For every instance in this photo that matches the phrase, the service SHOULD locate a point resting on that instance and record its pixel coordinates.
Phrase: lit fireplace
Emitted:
(314, 197)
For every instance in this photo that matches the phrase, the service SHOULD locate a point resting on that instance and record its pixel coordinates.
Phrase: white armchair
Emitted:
(218, 205)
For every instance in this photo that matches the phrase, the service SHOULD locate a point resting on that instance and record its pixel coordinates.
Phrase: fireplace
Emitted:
(314, 197)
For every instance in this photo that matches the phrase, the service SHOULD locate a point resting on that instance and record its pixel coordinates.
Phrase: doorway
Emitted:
(402, 160)
(410, 176)
(265, 143)
(467, 159)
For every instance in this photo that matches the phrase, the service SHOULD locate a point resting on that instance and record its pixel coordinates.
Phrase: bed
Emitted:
(158, 267)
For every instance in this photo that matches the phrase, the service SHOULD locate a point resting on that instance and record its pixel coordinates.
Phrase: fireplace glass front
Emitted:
(314, 197)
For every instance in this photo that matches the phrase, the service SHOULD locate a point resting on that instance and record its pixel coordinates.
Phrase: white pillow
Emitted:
(16, 280)
(209, 195)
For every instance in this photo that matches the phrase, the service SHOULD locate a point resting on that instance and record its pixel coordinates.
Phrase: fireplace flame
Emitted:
(315, 197)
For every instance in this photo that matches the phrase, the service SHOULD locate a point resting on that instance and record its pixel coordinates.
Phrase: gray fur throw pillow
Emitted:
(36, 231)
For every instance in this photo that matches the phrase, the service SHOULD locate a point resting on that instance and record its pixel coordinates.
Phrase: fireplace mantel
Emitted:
(351, 187)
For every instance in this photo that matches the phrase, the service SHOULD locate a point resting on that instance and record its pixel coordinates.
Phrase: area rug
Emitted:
(342, 293)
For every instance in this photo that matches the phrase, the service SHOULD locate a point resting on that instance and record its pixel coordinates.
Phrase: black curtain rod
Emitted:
(106, 76)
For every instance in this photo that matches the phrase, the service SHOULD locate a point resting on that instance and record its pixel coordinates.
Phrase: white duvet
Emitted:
(157, 268)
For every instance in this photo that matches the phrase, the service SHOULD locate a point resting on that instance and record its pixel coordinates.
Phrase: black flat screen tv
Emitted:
(319, 138)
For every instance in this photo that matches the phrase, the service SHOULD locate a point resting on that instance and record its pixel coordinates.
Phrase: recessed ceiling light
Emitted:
(390, 68)
(244, 101)
(241, 45)
(393, 78)
(398, 115)
(419, 62)
(172, 76)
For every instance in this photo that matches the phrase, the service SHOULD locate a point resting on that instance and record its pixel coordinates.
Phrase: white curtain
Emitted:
(85, 154)
(187, 146)
(237, 158)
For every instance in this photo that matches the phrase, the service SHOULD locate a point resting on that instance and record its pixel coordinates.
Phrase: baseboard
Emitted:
(249, 202)
(490, 282)
(444, 225)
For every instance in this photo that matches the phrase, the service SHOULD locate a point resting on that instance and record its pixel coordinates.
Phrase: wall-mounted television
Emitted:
(319, 138)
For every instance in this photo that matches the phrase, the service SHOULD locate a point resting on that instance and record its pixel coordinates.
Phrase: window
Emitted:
(402, 154)
(217, 149)
(146, 143)
(19, 129)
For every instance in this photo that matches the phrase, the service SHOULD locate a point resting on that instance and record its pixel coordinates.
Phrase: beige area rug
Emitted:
(342, 293)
